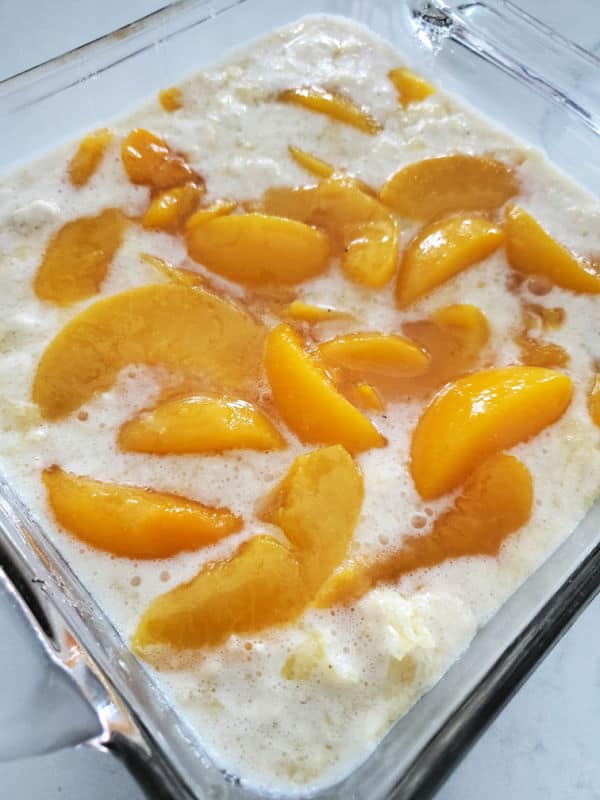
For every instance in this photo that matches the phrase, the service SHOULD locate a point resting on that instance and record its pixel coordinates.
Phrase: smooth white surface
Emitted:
(544, 745)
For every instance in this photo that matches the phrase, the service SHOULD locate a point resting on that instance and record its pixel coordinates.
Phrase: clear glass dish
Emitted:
(521, 74)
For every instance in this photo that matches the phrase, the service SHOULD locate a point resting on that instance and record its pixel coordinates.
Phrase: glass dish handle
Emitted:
(503, 34)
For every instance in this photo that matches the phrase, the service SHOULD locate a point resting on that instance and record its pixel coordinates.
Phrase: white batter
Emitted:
(303, 705)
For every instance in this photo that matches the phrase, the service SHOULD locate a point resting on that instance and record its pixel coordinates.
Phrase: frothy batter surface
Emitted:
(295, 708)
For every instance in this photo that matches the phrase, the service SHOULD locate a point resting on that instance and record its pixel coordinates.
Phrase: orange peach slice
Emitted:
(309, 312)
(171, 99)
(190, 331)
(411, 88)
(148, 160)
(220, 208)
(441, 251)
(375, 353)
(308, 401)
(335, 106)
(371, 255)
(311, 163)
(200, 425)
(478, 415)
(78, 256)
(88, 156)
(266, 582)
(368, 398)
(133, 522)
(257, 249)
(427, 189)
(170, 209)
(531, 250)
(494, 503)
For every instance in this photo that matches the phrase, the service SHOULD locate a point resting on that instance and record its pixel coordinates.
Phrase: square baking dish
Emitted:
(524, 76)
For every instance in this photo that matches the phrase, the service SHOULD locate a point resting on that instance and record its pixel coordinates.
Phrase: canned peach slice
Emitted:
(133, 522)
(88, 157)
(148, 160)
(441, 251)
(336, 106)
(478, 415)
(169, 210)
(256, 249)
(311, 163)
(530, 249)
(312, 312)
(308, 401)
(375, 353)
(448, 184)
(190, 331)
(78, 256)
(200, 425)
(371, 254)
(411, 88)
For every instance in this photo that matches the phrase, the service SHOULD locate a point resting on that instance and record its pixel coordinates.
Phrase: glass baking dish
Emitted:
(509, 66)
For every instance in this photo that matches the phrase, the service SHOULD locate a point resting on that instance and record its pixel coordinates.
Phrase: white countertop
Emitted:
(544, 746)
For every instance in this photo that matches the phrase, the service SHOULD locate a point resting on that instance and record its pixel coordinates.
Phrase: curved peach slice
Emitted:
(200, 425)
(441, 251)
(335, 106)
(171, 99)
(411, 87)
(78, 256)
(256, 249)
(133, 522)
(427, 189)
(190, 331)
(309, 312)
(170, 209)
(367, 397)
(266, 582)
(308, 401)
(317, 506)
(88, 156)
(148, 160)
(531, 250)
(496, 501)
(375, 353)
(220, 208)
(371, 255)
(479, 415)
(311, 163)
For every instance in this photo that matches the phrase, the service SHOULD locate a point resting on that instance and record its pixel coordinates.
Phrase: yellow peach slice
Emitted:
(257, 249)
(78, 256)
(200, 425)
(171, 99)
(427, 189)
(133, 522)
(311, 163)
(375, 353)
(478, 415)
(266, 582)
(411, 87)
(220, 208)
(494, 503)
(367, 397)
(170, 209)
(191, 331)
(441, 251)
(336, 106)
(308, 401)
(530, 249)
(148, 160)
(88, 156)
(371, 255)
(309, 312)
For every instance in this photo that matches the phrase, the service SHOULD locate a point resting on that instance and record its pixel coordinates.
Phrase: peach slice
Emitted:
(308, 401)
(427, 189)
(311, 163)
(411, 88)
(309, 312)
(191, 331)
(375, 353)
(266, 582)
(367, 397)
(594, 400)
(78, 256)
(171, 99)
(220, 208)
(371, 255)
(200, 425)
(257, 249)
(441, 251)
(478, 415)
(530, 249)
(336, 106)
(170, 209)
(540, 353)
(88, 156)
(182, 277)
(148, 160)
(494, 503)
(133, 522)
